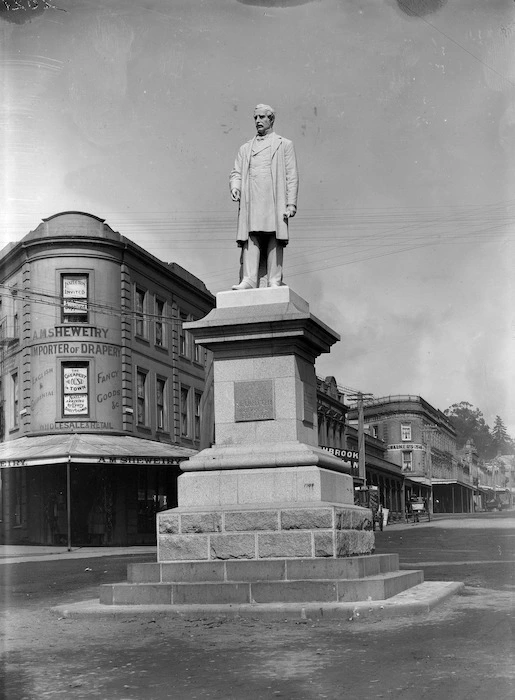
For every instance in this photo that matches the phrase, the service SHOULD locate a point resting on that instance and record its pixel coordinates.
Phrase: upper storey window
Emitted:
(74, 292)
(140, 302)
(405, 432)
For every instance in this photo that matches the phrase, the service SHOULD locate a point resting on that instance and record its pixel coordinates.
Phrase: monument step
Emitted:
(263, 570)
(380, 587)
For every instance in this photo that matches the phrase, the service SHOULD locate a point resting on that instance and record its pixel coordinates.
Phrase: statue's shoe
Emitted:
(242, 285)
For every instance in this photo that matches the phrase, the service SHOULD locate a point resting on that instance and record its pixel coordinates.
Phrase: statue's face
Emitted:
(263, 123)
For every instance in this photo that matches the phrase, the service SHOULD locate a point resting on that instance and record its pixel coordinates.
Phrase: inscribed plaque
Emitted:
(310, 403)
(254, 400)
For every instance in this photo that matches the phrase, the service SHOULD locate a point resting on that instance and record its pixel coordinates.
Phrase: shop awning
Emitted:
(90, 448)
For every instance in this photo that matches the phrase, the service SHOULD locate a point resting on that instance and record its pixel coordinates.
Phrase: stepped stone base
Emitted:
(374, 577)
(301, 531)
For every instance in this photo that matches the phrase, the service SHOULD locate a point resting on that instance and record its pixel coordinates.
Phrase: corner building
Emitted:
(102, 390)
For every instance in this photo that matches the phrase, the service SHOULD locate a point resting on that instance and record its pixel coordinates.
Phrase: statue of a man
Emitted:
(264, 181)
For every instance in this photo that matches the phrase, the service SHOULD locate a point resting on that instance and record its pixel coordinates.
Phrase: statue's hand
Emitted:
(290, 212)
(235, 195)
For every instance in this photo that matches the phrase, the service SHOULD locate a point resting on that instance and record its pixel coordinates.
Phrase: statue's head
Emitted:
(264, 117)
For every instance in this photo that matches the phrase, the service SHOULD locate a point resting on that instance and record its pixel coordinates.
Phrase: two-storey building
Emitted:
(336, 434)
(421, 440)
(101, 388)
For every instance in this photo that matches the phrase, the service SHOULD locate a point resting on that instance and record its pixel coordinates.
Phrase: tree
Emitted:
(470, 424)
(501, 440)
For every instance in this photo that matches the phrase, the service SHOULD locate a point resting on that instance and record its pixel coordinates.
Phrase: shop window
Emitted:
(159, 325)
(74, 292)
(161, 403)
(405, 432)
(140, 303)
(15, 397)
(141, 392)
(407, 461)
(75, 383)
(152, 498)
(197, 415)
(185, 413)
(17, 497)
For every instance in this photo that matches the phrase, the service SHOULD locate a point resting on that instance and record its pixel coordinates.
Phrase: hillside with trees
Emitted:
(470, 424)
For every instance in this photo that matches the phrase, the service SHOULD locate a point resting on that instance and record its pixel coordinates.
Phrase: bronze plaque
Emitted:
(254, 400)
(310, 403)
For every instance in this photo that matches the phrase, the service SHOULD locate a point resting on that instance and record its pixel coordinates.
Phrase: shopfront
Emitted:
(79, 490)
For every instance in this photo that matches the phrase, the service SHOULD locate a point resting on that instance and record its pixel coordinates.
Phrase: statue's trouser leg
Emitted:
(250, 254)
(274, 261)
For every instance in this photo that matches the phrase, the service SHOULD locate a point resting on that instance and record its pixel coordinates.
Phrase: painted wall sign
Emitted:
(137, 460)
(76, 425)
(347, 455)
(76, 349)
(406, 446)
(71, 331)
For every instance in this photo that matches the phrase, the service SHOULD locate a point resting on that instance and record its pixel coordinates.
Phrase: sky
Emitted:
(402, 113)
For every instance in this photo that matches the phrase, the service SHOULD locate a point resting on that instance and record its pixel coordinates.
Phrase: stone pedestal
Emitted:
(265, 515)
(265, 490)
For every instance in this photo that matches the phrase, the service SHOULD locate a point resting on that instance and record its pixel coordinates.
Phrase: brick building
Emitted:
(101, 388)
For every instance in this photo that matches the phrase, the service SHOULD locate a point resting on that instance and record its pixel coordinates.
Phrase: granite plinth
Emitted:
(251, 487)
(294, 531)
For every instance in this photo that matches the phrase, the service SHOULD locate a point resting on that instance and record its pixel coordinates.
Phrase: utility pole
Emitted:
(429, 461)
(358, 397)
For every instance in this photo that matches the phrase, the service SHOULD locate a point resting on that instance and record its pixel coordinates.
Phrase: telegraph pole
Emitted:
(428, 430)
(358, 397)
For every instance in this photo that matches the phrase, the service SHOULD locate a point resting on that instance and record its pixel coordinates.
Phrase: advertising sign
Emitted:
(76, 405)
(75, 295)
(75, 380)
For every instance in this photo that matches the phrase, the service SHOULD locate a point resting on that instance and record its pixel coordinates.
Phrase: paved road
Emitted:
(463, 650)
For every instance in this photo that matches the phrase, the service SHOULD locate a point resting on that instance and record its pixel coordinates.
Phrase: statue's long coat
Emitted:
(285, 181)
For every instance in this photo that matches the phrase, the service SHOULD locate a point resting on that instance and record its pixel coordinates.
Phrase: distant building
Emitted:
(497, 482)
(421, 440)
(337, 435)
(101, 388)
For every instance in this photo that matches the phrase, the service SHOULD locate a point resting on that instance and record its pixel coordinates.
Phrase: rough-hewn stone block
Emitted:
(343, 519)
(362, 519)
(352, 542)
(182, 547)
(232, 546)
(324, 544)
(201, 522)
(252, 520)
(306, 518)
(168, 523)
(284, 544)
